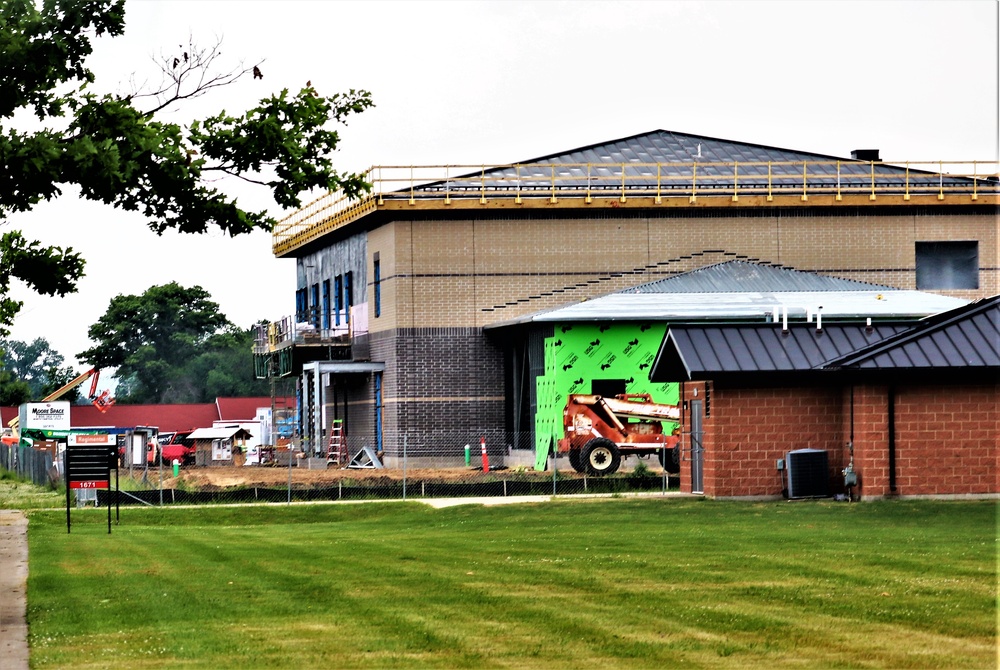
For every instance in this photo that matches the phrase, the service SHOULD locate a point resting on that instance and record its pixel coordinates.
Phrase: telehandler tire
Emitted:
(670, 460)
(574, 459)
(601, 457)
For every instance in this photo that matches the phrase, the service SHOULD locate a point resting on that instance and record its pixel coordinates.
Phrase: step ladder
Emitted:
(336, 448)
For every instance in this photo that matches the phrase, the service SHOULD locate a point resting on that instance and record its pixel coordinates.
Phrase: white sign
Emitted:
(81, 439)
(46, 415)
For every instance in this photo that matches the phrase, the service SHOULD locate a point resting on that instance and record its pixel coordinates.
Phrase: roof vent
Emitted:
(865, 155)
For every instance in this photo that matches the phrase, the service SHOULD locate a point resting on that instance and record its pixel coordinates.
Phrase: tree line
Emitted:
(171, 344)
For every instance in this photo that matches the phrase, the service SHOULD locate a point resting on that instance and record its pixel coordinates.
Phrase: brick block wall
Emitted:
(472, 272)
(438, 381)
(946, 440)
(871, 438)
(752, 428)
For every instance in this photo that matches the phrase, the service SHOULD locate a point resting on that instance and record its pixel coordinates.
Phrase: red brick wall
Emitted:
(871, 438)
(748, 430)
(945, 438)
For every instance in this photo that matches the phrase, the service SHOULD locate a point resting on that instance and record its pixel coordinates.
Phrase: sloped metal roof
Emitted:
(743, 276)
(967, 337)
(665, 158)
(964, 341)
(747, 291)
(709, 352)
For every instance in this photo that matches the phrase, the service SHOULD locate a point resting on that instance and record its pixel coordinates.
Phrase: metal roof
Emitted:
(967, 337)
(710, 352)
(665, 158)
(964, 341)
(741, 276)
(233, 432)
(747, 291)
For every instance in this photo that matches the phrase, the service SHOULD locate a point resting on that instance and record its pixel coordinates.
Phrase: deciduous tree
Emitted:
(116, 149)
(172, 345)
(37, 366)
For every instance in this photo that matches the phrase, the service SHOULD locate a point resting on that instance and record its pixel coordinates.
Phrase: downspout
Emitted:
(892, 439)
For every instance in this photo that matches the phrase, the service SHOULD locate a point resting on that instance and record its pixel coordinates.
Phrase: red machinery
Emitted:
(599, 430)
(101, 401)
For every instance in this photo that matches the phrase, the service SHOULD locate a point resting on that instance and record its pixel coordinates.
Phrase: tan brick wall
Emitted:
(463, 273)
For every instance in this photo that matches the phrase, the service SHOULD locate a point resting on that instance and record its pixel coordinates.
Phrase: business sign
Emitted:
(89, 459)
(45, 415)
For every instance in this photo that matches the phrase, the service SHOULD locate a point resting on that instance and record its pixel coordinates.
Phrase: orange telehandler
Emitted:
(600, 430)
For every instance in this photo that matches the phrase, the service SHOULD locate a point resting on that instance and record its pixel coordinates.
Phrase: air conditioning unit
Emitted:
(808, 473)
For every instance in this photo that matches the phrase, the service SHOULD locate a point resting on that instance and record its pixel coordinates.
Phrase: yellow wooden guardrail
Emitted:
(657, 182)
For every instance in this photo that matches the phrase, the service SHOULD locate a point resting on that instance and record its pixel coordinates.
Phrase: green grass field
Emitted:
(611, 583)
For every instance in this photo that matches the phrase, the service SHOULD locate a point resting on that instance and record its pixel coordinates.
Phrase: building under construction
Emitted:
(433, 305)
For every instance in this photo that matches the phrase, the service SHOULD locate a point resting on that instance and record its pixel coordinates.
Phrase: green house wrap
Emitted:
(577, 355)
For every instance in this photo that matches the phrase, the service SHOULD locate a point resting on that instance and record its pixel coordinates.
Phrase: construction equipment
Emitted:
(600, 430)
(102, 401)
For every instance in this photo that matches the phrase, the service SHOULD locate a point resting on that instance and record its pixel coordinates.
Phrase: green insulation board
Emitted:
(578, 355)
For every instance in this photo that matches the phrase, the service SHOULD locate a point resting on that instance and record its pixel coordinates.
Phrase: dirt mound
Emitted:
(264, 476)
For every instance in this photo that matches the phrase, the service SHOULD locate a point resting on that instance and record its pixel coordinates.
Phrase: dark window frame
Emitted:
(946, 265)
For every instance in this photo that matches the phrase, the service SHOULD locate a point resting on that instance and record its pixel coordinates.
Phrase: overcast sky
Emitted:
(494, 82)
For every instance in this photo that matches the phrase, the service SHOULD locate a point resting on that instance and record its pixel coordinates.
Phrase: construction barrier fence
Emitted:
(465, 465)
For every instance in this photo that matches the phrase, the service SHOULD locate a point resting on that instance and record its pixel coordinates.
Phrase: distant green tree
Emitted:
(173, 345)
(13, 391)
(39, 366)
(226, 367)
(114, 149)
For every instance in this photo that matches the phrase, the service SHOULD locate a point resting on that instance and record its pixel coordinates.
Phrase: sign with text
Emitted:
(89, 460)
(45, 415)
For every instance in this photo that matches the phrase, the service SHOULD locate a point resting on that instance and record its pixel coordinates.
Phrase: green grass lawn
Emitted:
(612, 583)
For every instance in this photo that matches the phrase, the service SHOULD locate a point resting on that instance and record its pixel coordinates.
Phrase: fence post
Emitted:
(553, 452)
(291, 455)
(404, 464)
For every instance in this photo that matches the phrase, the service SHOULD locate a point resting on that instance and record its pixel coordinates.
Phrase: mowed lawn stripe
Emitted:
(580, 583)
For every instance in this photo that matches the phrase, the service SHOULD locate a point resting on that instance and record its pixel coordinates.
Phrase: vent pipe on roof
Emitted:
(865, 155)
(819, 318)
(784, 321)
(868, 325)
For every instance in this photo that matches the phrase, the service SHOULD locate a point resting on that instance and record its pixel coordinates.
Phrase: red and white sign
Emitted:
(98, 484)
(77, 439)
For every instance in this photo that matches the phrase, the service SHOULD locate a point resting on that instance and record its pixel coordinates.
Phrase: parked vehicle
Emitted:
(599, 430)
(176, 447)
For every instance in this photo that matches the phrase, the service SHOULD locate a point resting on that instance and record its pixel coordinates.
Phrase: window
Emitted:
(300, 305)
(348, 295)
(326, 304)
(377, 286)
(338, 293)
(378, 412)
(314, 306)
(947, 265)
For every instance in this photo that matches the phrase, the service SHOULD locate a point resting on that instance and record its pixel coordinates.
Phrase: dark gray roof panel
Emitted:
(677, 154)
(967, 337)
(743, 276)
(965, 340)
(697, 352)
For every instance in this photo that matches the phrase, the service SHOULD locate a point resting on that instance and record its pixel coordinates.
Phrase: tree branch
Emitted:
(187, 74)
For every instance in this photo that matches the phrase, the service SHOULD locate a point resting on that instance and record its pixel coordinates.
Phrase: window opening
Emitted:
(947, 265)
(377, 287)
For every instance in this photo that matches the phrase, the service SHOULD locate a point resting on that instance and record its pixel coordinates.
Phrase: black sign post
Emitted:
(89, 459)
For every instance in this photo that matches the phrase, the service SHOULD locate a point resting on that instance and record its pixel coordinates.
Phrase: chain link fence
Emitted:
(413, 466)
